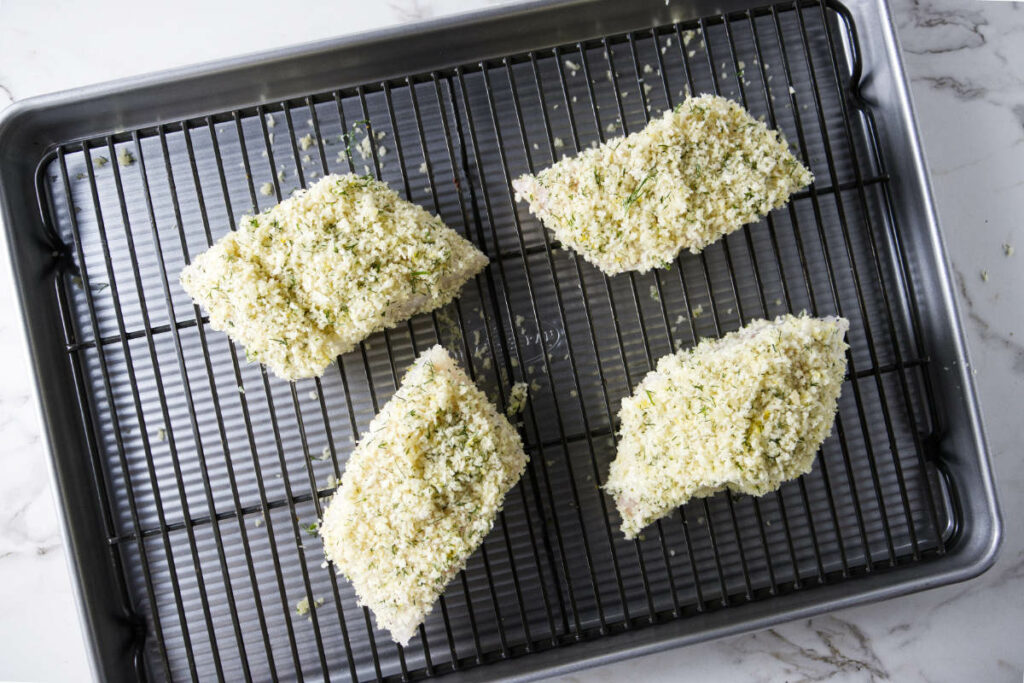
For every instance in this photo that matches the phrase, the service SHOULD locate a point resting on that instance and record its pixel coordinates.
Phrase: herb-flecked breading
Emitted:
(745, 412)
(697, 173)
(308, 279)
(420, 492)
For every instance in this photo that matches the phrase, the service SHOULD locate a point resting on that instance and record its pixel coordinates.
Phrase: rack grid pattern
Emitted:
(210, 473)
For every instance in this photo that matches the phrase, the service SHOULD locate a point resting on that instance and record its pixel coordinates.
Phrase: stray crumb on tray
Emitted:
(517, 399)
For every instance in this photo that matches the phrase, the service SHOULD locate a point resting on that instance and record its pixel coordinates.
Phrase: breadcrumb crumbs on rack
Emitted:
(420, 492)
(698, 172)
(517, 399)
(744, 413)
(364, 147)
(308, 279)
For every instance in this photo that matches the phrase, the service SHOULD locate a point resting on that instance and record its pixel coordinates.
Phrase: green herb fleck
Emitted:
(635, 194)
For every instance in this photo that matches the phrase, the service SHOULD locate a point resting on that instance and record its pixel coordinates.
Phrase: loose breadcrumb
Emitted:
(308, 279)
(125, 157)
(700, 171)
(745, 413)
(267, 189)
(302, 606)
(365, 147)
(517, 399)
(420, 492)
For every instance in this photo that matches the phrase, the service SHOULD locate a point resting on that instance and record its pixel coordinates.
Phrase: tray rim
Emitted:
(26, 135)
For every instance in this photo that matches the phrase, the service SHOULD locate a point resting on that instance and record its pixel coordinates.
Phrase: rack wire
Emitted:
(210, 473)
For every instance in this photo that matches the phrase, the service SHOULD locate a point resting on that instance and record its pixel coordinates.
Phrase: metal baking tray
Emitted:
(186, 476)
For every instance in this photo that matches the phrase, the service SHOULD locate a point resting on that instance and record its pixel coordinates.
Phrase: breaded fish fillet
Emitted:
(308, 279)
(420, 492)
(697, 173)
(745, 412)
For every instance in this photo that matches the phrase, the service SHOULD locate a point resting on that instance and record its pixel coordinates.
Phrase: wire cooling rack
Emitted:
(211, 474)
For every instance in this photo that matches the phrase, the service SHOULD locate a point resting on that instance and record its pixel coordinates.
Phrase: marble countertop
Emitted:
(965, 60)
